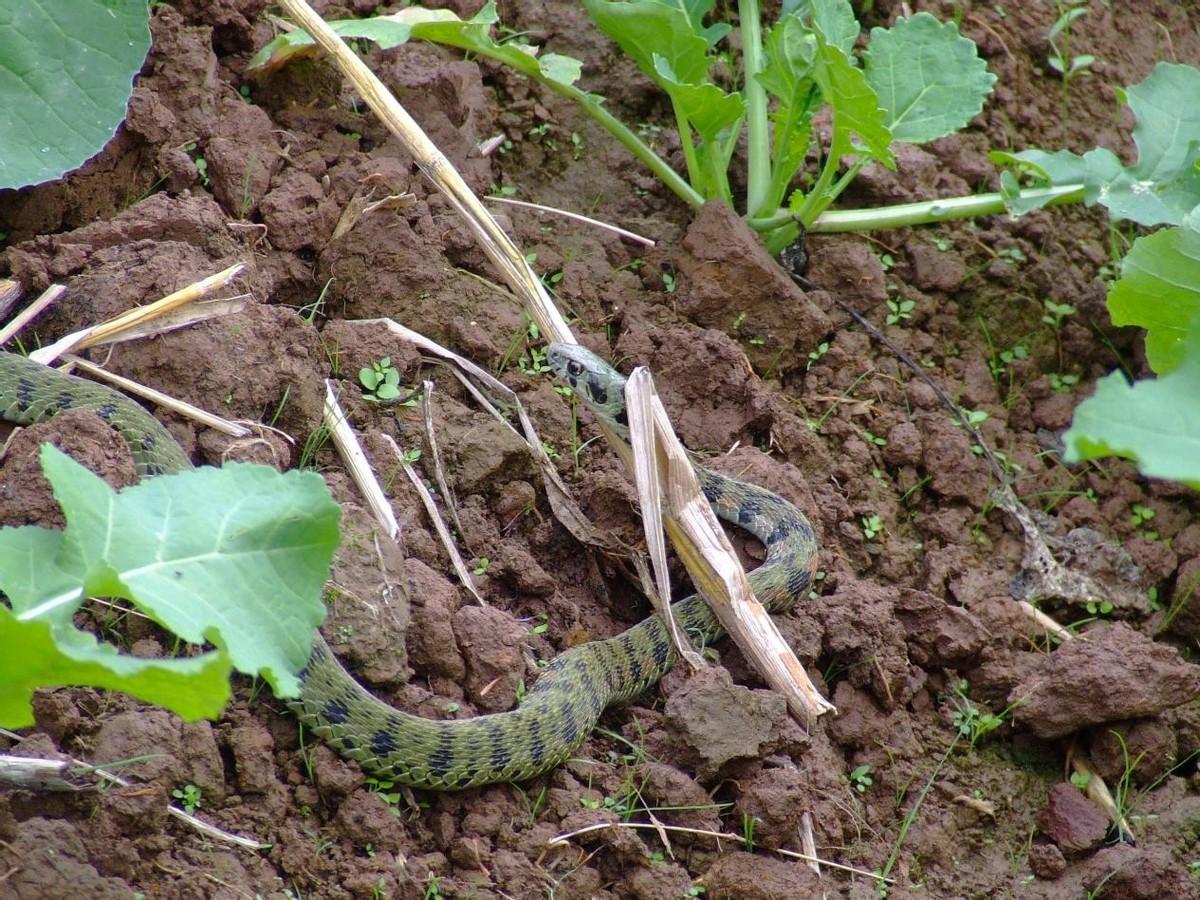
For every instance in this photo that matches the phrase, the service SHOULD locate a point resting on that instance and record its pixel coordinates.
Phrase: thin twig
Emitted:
(720, 836)
(106, 331)
(456, 560)
(182, 407)
(198, 824)
(346, 442)
(439, 472)
(578, 217)
(31, 312)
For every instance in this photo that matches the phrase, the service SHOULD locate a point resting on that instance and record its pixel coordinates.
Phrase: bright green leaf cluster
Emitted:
(1155, 422)
(236, 557)
(66, 75)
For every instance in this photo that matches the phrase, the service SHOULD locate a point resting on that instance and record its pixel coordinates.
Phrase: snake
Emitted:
(564, 704)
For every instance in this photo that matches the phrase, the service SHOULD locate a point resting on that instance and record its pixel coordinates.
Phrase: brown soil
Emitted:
(907, 622)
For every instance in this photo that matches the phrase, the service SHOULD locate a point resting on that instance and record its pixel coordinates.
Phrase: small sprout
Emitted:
(385, 788)
(1140, 515)
(481, 566)
(412, 454)
(887, 261)
(814, 356)
(872, 525)
(189, 797)
(1062, 383)
(1101, 608)
(541, 626)
(380, 381)
(899, 310)
(861, 778)
(874, 439)
(943, 244)
(1081, 780)
(1057, 313)
(737, 323)
(977, 416)
(670, 283)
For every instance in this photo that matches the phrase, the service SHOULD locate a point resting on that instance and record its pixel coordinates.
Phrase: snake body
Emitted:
(566, 701)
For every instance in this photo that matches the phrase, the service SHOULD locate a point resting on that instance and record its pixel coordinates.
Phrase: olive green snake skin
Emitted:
(565, 703)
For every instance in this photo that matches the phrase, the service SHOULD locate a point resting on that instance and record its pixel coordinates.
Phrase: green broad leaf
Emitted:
(645, 28)
(1154, 422)
(929, 78)
(439, 26)
(833, 18)
(696, 10)
(1159, 290)
(790, 48)
(708, 108)
(235, 556)
(856, 108)
(66, 76)
(39, 655)
(1163, 186)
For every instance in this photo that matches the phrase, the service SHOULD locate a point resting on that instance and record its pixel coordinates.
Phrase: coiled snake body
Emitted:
(565, 703)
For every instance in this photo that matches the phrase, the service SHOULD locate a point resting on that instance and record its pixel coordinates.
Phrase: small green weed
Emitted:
(872, 526)
(381, 382)
(860, 778)
(1140, 517)
(899, 311)
(189, 797)
(481, 566)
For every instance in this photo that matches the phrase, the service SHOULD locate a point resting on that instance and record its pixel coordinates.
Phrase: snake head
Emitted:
(598, 384)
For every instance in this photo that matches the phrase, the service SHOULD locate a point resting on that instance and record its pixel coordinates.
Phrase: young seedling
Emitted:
(860, 778)
(814, 356)
(1057, 313)
(1059, 38)
(872, 526)
(899, 310)
(1140, 516)
(482, 566)
(189, 797)
(381, 382)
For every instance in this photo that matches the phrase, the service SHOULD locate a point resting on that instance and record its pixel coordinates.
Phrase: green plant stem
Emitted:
(696, 174)
(812, 205)
(924, 212)
(758, 147)
(631, 141)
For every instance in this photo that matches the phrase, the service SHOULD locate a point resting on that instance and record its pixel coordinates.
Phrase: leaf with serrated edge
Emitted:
(237, 556)
(1159, 290)
(643, 28)
(1154, 422)
(1163, 186)
(929, 78)
(855, 104)
(39, 655)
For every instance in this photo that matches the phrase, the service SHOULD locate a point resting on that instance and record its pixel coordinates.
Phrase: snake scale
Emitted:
(565, 703)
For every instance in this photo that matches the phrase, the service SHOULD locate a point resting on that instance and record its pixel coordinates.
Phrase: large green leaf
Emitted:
(696, 10)
(708, 108)
(833, 18)
(1155, 422)
(38, 655)
(856, 108)
(235, 556)
(646, 28)
(929, 78)
(1163, 185)
(66, 75)
(1159, 290)
(440, 26)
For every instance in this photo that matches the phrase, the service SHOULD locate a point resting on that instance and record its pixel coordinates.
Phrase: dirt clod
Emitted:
(1072, 821)
(1113, 673)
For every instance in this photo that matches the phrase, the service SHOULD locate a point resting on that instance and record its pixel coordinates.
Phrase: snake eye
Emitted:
(574, 368)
